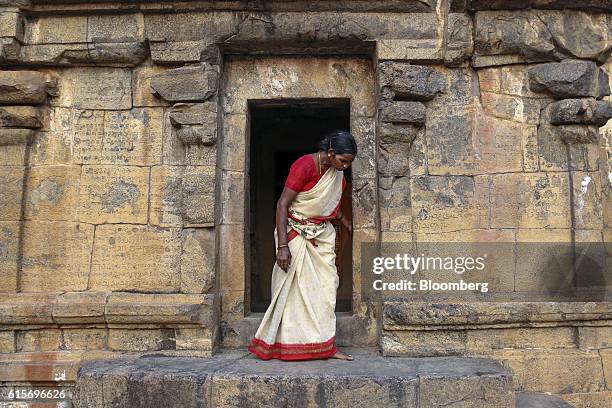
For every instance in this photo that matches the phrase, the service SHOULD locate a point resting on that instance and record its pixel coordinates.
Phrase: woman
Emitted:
(300, 323)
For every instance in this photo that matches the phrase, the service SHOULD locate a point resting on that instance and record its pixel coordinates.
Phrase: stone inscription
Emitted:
(119, 137)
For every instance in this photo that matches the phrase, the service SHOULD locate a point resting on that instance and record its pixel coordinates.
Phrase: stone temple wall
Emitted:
(491, 115)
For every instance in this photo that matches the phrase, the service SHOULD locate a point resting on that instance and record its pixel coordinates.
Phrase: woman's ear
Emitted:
(330, 152)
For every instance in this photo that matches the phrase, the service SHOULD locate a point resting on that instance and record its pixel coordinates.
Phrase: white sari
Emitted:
(300, 323)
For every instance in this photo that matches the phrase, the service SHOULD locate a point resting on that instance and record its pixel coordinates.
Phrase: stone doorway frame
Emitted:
(248, 78)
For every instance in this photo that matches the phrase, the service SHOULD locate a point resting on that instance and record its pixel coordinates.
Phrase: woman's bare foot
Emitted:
(341, 355)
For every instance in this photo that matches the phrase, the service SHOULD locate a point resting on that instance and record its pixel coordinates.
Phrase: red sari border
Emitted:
(283, 351)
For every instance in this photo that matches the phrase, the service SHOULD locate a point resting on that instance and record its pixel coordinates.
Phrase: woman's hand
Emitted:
(283, 258)
(347, 224)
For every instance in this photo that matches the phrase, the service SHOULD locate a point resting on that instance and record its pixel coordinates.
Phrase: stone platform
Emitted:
(237, 379)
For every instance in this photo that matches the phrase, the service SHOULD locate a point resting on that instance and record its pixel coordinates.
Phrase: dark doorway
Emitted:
(280, 132)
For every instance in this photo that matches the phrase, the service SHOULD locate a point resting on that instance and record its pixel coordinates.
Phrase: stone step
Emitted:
(537, 400)
(235, 378)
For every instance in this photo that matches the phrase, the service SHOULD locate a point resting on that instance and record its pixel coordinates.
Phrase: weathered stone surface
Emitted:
(398, 315)
(553, 150)
(16, 3)
(589, 400)
(332, 77)
(95, 88)
(26, 308)
(194, 338)
(186, 84)
(402, 80)
(177, 52)
(566, 79)
(79, 307)
(195, 123)
(497, 5)
(592, 5)
(198, 260)
(128, 54)
(54, 146)
(606, 360)
(595, 337)
(436, 391)
(395, 206)
(136, 258)
(482, 341)
(444, 203)
(393, 159)
(576, 134)
(524, 110)
(115, 28)
(9, 255)
(554, 371)
(580, 111)
(20, 117)
(397, 133)
(57, 30)
(13, 137)
(11, 25)
(182, 195)
(84, 339)
(142, 93)
(490, 79)
(24, 87)
(233, 184)
(459, 41)
(146, 308)
(604, 84)
(319, 30)
(232, 259)
(52, 193)
(56, 256)
(515, 81)
(118, 137)
(465, 140)
(9, 51)
(175, 152)
(199, 196)
(231, 379)
(432, 343)
(38, 340)
(535, 400)
(504, 37)
(449, 141)
(588, 200)
(403, 112)
(141, 339)
(112, 194)
(11, 180)
(7, 342)
(364, 203)
(531, 200)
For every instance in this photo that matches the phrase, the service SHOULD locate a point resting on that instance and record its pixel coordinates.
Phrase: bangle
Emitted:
(284, 245)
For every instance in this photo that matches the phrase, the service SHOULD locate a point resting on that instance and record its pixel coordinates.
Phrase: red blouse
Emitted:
(303, 174)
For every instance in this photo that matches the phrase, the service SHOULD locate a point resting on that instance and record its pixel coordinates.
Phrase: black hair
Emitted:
(341, 141)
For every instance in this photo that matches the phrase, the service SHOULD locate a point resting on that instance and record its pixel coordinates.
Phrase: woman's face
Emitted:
(341, 161)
